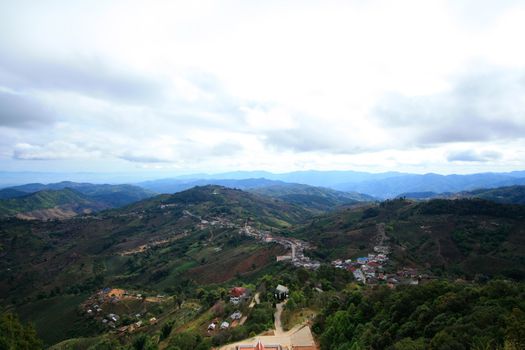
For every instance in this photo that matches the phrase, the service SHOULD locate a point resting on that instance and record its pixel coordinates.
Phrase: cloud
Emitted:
(482, 105)
(20, 110)
(52, 151)
(473, 156)
(88, 76)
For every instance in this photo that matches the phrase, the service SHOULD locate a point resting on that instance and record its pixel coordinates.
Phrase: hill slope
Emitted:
(66, 199)
(452, 237)
(49, 204)
(316, 198)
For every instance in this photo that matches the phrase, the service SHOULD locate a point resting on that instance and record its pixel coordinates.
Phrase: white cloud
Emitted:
(277, 85)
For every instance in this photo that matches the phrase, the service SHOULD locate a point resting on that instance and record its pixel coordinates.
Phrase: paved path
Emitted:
(277, 317)
(299, 335)
(255, 300)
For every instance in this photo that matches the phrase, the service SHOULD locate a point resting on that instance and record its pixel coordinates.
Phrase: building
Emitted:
(281, 292)
(238, 294)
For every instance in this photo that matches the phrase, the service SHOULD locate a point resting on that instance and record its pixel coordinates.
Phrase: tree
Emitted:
(14, 335)
(515, 332)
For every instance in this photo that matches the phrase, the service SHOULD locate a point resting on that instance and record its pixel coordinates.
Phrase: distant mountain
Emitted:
(66, 199)
(315, 198)
(380, 185)
(420, 195)
(113, 195)
(49, 204)
(508, 195)
(7, 193)
(178, 185)
(394, 186)
(307, 177)
(219, 200)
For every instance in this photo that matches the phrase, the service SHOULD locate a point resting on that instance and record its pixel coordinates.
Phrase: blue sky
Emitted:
(211, 86)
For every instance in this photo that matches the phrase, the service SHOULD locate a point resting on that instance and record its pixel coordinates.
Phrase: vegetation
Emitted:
(16, 336)
(438, 315)
(187, 249)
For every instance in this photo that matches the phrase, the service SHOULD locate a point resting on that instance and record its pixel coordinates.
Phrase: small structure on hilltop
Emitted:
(281, 292)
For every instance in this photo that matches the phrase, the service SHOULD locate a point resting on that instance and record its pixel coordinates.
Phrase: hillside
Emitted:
(7, 193)
(510, 194)
(316, 198)
(394, 186)
(192, 247)
(48, 204)
(182, 240)
(112, 195)
(66, 199)
(178, 185)
(461, 237)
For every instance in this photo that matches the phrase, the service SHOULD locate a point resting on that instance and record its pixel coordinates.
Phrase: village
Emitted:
(371, 269)
(296, 246)
(102, 307)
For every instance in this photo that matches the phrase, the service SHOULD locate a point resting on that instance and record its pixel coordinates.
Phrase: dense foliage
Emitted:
(438, 315)
(16, 336)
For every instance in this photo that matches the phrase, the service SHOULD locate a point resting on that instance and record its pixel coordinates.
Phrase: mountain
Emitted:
(452, 237)
(66, 199)
(379, 185)
(113, 195)
(177, 185)
(316, 198)
(48, 204)
(167, 263)
(510, 195)
(394, 186)
(168, 242)
(7, 193)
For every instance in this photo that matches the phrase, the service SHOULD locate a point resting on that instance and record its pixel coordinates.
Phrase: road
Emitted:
(277, 316)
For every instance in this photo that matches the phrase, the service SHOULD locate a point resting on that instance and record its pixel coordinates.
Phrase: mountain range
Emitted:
(66, 199)
(379, 185)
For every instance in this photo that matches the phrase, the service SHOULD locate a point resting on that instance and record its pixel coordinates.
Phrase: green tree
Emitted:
(16, 336)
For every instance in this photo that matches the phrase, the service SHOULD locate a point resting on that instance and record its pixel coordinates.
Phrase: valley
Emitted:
(163, 268)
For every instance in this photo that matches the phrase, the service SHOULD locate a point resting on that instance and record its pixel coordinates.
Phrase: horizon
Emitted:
(133, 178)
(218, 86)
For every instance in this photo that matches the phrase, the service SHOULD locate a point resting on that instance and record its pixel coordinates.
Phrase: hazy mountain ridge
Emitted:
(379, 185)
(315, 198)
(66, 199)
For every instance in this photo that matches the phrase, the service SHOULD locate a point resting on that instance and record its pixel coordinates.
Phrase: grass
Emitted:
(295, 317)
(55, 319)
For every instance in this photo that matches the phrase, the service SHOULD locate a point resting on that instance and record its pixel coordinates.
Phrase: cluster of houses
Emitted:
(367, 269)
(297, 247)
(232, 321)
(370, 269)
(237, 295)
(94, 305)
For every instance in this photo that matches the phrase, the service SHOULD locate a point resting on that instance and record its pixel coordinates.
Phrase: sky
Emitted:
(211, 86)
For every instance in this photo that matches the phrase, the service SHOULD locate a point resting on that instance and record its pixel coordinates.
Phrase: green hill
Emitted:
(183, 252)
(315, 198)
(176, 241)
(66, 199)
(7, 193)
(49, 204)
(461, 237)
(510, 194)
